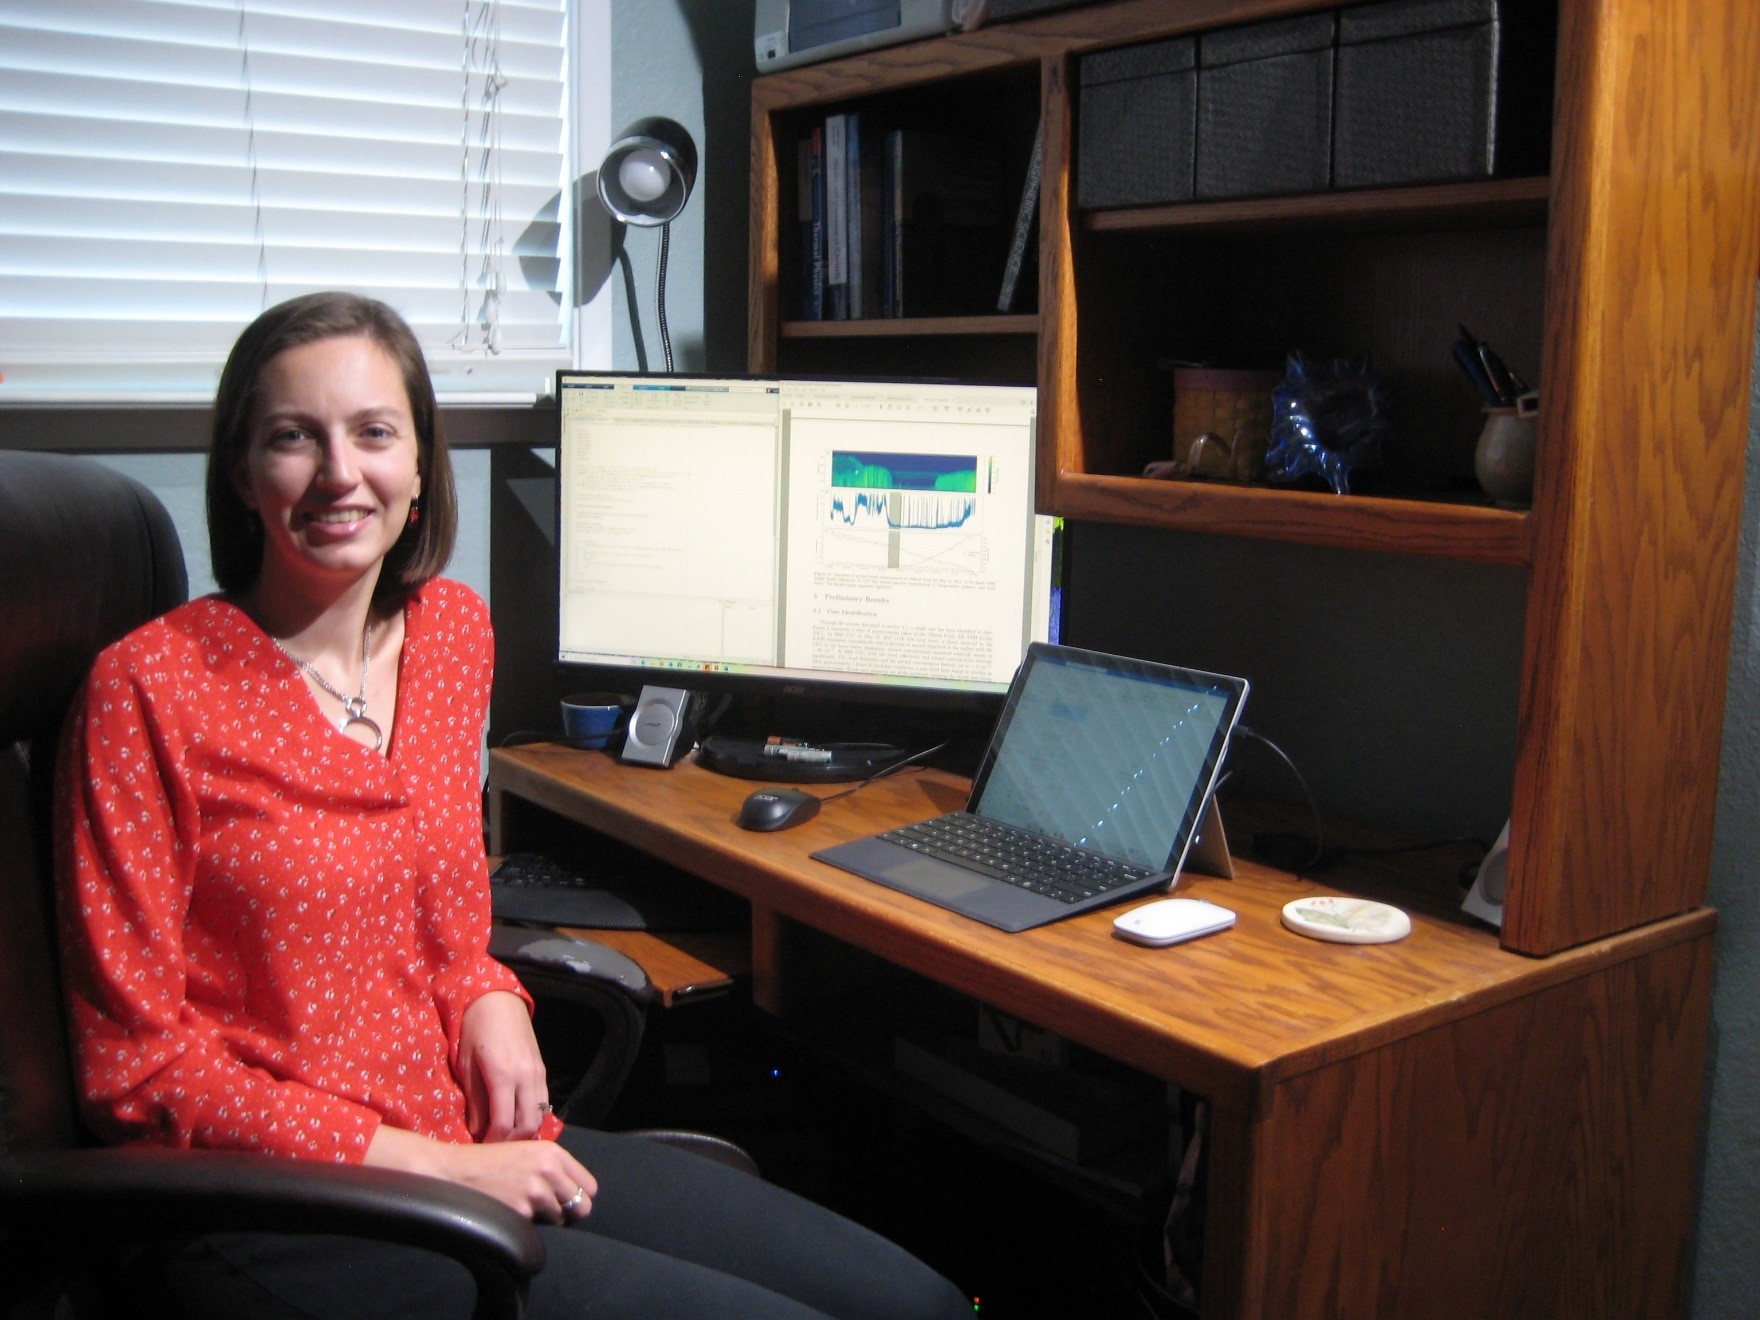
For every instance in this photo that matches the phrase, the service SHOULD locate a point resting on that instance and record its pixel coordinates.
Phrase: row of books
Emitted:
(910, 221)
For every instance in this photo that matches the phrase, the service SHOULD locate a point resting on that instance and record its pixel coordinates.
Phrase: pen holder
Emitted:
(1504, 458)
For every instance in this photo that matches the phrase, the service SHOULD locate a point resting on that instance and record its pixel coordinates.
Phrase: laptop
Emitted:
(1106, 760)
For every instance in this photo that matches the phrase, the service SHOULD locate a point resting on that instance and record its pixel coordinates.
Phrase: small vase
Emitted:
(1504, 459)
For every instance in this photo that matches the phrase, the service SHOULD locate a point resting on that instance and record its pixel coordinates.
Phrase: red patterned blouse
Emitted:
(270, 933)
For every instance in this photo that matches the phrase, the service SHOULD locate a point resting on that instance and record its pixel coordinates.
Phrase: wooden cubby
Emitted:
(1622, 283)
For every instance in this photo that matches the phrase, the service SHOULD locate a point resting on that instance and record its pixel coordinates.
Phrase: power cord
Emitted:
(1320, 853)
(898, 765)
(1313, 804)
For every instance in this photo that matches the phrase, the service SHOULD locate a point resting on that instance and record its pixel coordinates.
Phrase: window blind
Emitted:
(169, 168)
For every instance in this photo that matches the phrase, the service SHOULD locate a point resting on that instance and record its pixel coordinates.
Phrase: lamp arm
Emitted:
(660, 295)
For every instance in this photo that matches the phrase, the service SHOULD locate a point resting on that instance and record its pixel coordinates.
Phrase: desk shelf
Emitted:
(896, 327)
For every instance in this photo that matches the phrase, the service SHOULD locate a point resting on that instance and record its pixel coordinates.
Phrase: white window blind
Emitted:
(169, 168)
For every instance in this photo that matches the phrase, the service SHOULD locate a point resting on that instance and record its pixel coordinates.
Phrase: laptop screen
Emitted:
(1107, 753)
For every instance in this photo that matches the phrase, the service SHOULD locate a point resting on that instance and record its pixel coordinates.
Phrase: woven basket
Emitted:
(1222, 422)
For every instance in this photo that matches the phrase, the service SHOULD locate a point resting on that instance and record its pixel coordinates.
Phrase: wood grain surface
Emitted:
(1473, 532)
(681, 965)
(1014, 323)
(1637, 504)
(1227, 1015)
(1530, 1160)
(1436, 205)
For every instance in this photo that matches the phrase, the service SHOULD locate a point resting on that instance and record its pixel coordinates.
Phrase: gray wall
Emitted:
(1727, 1278)
(689, 60)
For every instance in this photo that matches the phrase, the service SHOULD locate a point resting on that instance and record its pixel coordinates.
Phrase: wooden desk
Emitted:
(1432, 1127)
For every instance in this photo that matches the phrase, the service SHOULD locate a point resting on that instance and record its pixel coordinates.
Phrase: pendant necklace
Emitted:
(354, 708)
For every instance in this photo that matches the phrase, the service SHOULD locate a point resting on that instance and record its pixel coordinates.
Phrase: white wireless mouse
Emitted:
(1170, 920)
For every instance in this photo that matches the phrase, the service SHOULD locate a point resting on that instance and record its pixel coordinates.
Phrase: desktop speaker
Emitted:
(662, 728)
(1485, 899)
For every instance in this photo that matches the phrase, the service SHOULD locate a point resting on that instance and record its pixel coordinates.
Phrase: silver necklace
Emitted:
(354, 708)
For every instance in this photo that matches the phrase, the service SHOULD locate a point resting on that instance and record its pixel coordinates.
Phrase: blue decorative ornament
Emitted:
(1328, 419)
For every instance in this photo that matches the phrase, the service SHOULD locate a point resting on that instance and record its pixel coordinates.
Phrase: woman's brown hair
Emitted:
(235, 533)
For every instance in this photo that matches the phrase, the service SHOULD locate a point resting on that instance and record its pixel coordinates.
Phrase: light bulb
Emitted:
(643, 174)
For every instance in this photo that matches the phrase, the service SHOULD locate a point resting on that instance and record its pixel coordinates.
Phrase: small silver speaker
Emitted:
(661, 729)
(1485, 900)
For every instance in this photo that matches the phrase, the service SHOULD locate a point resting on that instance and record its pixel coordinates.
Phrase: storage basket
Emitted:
(1222, 422)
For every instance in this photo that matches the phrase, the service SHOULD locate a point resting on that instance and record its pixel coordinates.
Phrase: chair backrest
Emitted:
(86, 554)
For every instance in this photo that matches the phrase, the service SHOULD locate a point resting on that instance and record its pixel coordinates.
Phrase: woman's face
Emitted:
(333, 461)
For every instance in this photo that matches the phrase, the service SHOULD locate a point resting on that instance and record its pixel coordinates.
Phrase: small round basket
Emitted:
(1221, 422)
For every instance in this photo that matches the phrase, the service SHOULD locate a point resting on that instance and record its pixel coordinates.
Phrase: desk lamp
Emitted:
(645, 180)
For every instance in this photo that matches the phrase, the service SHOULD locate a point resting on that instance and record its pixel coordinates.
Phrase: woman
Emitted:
(275, 906)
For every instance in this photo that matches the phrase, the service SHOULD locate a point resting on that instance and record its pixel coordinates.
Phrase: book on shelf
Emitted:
(810, 219)
(837, 217)
(864, 215)
(946, 223)
(1019, 248)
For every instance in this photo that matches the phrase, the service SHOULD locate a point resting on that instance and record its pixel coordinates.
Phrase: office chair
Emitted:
(87, 554)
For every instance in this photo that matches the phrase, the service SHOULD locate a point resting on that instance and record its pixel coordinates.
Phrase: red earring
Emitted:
(415, 512)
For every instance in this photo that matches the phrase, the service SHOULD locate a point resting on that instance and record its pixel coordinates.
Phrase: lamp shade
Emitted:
(647, 175)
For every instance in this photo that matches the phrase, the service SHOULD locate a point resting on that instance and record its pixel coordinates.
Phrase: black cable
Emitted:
(881, 774)
(520, 737)
(1314, 806)
(660, 295)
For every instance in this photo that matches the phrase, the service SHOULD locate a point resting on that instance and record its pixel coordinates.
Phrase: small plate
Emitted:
(1346, 920)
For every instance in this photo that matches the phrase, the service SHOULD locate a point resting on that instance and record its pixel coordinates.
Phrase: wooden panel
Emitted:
(681, 965)
(1511, 201)
(764, 244)
(1656, 222)
(1534, 1160)
(1011, 324)
(1223, 1016)
(1471, 532)
(1061, 446)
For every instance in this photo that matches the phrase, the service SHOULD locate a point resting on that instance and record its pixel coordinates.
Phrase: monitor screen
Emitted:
(834, 534)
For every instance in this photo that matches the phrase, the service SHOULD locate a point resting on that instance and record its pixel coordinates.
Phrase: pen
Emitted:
(1467, 359)
(1498, 375)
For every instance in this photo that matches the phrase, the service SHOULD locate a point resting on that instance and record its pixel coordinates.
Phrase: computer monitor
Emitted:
(857, 541)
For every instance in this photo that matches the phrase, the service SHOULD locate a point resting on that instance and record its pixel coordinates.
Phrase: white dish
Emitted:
(1171, 920)
(1346, 920)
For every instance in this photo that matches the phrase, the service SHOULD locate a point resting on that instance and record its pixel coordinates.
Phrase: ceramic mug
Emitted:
(1504, 458)
(592, 719)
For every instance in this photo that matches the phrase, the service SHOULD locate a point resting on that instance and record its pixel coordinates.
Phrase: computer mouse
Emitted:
(777, 808)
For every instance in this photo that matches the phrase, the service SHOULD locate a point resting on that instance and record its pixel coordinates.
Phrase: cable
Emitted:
(1313, 805)
(660, 295)
(881, 774)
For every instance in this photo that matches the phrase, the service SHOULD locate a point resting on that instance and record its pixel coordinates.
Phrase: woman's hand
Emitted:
(505, 1090)
(539, 1179)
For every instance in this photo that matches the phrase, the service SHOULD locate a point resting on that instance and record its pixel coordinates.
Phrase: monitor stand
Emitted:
(796, 761)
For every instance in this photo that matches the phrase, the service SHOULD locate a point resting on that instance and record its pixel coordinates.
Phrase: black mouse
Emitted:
(777, 808)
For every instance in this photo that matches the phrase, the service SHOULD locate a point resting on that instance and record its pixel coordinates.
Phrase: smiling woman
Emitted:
(277, 904)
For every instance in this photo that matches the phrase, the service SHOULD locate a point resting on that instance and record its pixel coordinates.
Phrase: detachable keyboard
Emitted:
(1018, 857)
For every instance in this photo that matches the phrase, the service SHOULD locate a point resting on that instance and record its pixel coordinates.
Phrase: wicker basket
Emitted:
(1222, 422)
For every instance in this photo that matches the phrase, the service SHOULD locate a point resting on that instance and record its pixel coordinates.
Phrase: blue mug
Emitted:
(592, 719)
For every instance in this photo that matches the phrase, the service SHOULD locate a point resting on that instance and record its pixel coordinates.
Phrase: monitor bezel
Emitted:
(829, 698)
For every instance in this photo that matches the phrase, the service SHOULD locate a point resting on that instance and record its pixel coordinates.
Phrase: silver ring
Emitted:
(546, 1108)
(580, 1194)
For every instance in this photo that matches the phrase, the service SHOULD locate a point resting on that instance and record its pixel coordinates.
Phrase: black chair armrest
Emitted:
(719, 1149)
(611, 987)
(123, 1195)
